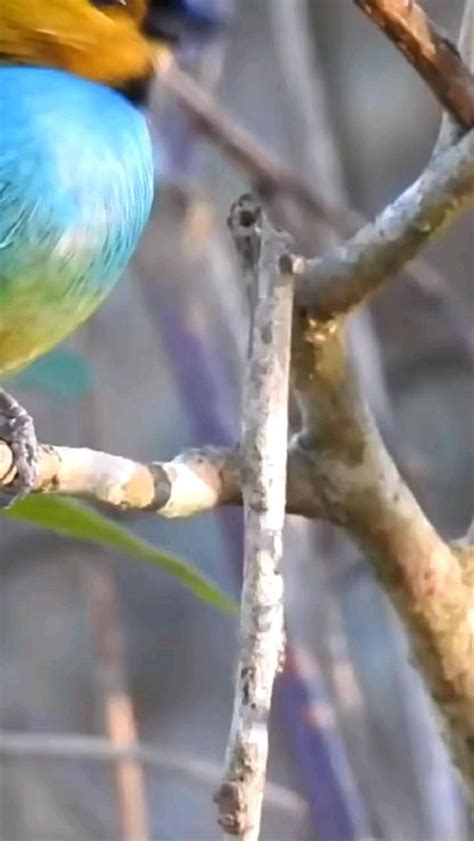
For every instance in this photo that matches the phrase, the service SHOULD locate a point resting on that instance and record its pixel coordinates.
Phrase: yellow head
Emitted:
(102, 40)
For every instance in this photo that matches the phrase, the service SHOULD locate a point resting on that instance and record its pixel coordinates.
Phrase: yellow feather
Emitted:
(103, 44)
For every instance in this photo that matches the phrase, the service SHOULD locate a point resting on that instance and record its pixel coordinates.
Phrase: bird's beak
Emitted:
(180, 24)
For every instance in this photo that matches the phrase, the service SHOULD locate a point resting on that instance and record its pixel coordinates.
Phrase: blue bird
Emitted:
(76, 167)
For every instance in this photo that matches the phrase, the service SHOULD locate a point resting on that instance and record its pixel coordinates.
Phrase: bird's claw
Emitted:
(18, 431)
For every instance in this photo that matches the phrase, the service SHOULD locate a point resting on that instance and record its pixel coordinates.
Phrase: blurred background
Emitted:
(98, 652)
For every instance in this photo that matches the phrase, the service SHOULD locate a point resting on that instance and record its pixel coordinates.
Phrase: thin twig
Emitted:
(307, 114)
(117, 706)
(264, 445)
(80, 747)
(194, 482)
(346, 275)
(431, 52)
(269, 176)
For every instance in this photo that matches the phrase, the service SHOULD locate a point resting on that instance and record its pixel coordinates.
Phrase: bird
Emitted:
(77, 169)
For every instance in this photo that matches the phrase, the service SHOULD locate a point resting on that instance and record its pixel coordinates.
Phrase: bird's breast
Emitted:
(76, 186)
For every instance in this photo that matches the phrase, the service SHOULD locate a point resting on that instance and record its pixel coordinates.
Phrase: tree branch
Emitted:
(296, 206)
(451, 129)
(429, 50)
(430, 584)
(338, 465)
(195, 481)
(346, 275)
(263, 452)
(364, 493)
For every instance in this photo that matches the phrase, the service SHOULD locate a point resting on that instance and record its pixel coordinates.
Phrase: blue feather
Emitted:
(76, 187)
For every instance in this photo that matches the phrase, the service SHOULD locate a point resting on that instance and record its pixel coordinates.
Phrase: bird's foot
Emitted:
(18, 431)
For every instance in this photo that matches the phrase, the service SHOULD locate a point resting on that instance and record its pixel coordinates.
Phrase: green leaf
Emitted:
(63, 374)
(71, 519)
